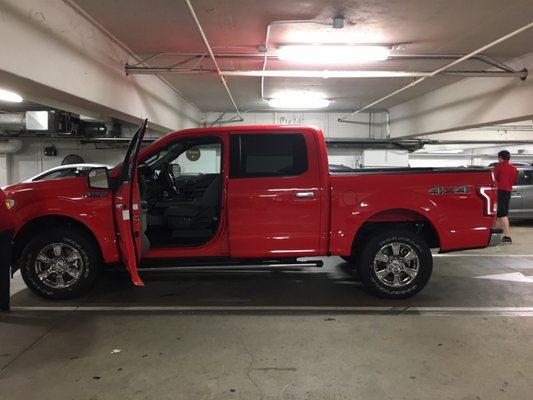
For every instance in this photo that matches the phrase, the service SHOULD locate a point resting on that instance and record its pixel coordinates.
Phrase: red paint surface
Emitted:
(261, 217)
(6, 220)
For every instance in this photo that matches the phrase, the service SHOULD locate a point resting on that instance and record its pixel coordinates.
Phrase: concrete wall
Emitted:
(53, 55)
(31, 160)
(471, 155)
(326, 121)
(458, 155)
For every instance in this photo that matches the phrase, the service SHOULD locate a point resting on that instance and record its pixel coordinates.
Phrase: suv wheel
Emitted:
(396, 264)
(60, 264)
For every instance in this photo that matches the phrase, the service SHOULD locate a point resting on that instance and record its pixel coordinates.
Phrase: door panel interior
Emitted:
(128, 209)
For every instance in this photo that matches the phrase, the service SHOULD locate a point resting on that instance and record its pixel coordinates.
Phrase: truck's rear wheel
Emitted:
(396, 264)
(60, 264)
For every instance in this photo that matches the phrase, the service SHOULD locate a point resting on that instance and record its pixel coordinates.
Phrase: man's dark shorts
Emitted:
(504, 197)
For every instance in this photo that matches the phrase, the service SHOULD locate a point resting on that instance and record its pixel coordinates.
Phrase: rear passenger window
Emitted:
(262, 155)
(525, 177)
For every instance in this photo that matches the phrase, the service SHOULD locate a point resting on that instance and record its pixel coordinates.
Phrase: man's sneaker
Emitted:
(507, 239)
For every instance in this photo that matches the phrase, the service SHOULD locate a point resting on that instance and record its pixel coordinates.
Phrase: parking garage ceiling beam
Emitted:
(324, 74)
(468, 103)
(54, 54)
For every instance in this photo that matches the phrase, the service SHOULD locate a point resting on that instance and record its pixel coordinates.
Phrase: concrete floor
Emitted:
(312, 334)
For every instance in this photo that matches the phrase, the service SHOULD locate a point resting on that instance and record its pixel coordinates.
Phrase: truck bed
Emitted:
(447, 199)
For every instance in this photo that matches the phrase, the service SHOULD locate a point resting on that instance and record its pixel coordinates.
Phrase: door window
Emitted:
(525, 177)
(268, 155)
(201, 159)
(182, 187)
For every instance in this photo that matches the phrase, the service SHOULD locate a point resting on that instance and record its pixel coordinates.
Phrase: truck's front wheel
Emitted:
(396, 264)
(60, 264)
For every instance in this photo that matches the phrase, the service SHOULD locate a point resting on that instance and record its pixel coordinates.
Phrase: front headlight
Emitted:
(10, 203)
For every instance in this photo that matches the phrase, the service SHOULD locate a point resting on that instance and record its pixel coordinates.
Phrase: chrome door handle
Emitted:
(304, 195)
(516, 194)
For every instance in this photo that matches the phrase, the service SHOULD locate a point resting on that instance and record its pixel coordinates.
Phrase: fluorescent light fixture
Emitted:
(332, 54)
(12, 97)
(298, 101)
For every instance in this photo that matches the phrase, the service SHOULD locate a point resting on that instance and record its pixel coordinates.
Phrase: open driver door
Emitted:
(127, 208)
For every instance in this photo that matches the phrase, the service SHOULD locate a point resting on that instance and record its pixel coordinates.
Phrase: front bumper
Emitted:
(496, 236)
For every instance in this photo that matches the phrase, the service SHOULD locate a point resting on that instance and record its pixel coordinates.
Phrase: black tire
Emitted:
(378, 286)
(89, 262)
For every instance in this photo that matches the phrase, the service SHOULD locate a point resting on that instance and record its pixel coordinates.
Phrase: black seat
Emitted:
(200, 213)
(166, 180)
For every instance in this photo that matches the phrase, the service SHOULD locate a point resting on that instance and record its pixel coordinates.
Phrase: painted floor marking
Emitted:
(485, 255)
(377, 310)
(509, 277)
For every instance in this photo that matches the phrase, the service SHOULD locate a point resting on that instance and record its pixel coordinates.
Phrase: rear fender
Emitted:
(352, 214)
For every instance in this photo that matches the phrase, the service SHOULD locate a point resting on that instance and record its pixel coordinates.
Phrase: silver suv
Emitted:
(521, 206)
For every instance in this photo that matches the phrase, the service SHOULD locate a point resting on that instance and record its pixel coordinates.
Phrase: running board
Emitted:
(236, 267)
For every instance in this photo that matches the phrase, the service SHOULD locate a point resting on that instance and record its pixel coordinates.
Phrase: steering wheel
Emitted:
(148, 186)
(166, 179)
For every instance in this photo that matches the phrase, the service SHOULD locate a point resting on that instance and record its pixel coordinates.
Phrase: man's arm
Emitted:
(496, 172)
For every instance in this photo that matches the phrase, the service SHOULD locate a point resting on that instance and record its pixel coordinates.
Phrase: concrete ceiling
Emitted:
(427, 26)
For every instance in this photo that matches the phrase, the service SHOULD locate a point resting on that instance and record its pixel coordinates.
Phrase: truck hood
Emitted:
(29, 193)
(39, 185)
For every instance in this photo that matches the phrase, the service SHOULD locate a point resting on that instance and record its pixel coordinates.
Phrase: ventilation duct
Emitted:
(29, 121)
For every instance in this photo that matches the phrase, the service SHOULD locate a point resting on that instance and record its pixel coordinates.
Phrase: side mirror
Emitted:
(98, 178)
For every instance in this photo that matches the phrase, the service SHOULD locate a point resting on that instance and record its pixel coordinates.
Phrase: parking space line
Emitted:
(485, 255)
(369, 310)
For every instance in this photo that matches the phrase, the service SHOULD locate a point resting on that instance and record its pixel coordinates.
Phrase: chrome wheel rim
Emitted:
(59, 265)
(396, 264)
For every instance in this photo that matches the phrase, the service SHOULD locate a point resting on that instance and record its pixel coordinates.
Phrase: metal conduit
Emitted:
(440, 70)
(213, 59)
(479, 57)
(325, 74)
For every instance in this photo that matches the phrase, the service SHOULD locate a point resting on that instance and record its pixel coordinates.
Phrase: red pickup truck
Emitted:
(235, 197)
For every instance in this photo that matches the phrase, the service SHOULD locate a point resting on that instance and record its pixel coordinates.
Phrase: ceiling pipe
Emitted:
(393, 57)
(325, 74)
(12, 121)
(213, 59)
(507, 128)
(496, 142)
(439, 71)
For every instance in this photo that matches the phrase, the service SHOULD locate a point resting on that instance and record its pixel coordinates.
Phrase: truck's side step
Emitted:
(238, 266)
